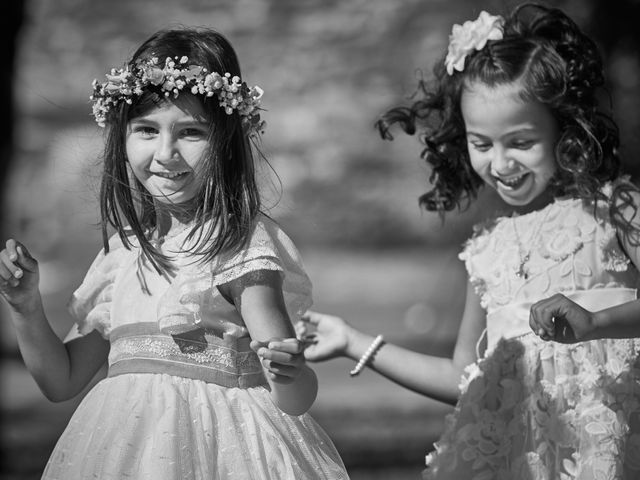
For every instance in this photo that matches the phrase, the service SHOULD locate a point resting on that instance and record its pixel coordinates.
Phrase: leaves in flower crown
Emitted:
(233, 94)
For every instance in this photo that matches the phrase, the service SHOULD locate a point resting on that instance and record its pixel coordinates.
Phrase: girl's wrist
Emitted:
(599, 324)
(357, 343)
(28, 308)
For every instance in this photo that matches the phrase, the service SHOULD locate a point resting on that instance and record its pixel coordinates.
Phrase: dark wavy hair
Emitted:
(228, 199)
(556, 64)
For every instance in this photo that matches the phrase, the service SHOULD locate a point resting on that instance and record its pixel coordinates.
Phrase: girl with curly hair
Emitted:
(514, 106)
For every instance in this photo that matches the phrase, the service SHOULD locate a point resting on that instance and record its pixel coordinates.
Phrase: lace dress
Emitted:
(189, 406)
(536, 410)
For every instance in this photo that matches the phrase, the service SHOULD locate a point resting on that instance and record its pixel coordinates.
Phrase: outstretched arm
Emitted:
(259, 299)
(429, 375)
(60, 370)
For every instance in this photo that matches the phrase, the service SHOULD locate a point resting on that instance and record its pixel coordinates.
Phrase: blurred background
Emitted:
(346, 197)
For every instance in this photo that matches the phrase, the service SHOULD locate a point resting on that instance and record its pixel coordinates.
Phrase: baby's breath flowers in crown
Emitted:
(173, 77)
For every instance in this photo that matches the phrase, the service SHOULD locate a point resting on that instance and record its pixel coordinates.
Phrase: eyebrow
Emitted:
(178, 123)
(511, 133)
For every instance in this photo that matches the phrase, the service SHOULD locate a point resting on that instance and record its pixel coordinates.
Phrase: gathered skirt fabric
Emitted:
(163, 427)
(533, 410)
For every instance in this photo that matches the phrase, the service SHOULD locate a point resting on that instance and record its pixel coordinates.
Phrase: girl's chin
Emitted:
(174, 200)
(526, 201)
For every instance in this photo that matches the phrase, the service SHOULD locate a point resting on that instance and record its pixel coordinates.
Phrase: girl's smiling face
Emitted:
(165, 147)
(511, 141)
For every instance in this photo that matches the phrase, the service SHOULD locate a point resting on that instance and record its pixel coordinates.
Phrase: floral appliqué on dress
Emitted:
(539, 410)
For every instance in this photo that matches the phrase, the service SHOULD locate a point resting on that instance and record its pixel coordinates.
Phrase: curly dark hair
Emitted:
(228, 200)
(556, 64)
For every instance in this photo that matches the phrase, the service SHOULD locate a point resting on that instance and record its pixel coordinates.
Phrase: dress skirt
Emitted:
(162, 427)
(535, 410)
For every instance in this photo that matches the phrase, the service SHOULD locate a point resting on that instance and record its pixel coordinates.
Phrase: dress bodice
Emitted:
(568, 247)
(148, 316)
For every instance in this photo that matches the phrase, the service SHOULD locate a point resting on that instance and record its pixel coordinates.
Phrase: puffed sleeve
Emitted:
(90, 304)
(474, 261)
(269, 249)
(613, 257)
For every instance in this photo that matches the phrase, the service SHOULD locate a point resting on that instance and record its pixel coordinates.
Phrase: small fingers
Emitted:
(301, 328)
(20, 256)
(9, 271)
(255, 345)
(282, 358)
(26, 260)
(280, 369)
(311, 317)
(542, 316)
(287, 345)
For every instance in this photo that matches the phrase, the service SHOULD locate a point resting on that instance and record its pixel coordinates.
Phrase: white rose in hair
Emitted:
(470, 36)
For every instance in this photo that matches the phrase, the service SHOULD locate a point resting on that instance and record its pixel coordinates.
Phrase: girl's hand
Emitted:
(19, 276)
(283, 358)
(562, 320)
(326, 336)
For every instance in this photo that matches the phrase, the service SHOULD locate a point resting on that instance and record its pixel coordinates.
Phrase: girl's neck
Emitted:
(540, 202)
(173, 218)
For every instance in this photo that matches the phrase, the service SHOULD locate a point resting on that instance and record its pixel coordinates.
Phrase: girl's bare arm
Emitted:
(436, 377)
(60, 370)
(259, 299)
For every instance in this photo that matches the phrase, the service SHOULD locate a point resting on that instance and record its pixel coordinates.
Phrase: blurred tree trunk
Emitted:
(12, 19)
(614, 25)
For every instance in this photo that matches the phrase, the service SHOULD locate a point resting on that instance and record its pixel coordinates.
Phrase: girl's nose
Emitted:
(501, 162)
(165, 150)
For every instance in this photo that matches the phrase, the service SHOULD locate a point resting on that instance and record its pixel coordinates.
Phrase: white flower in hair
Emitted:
(472, 35)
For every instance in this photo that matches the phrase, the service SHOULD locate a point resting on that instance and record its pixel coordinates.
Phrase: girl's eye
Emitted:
(522, 144)
(194, 133)
(481, 146)
(144, 130)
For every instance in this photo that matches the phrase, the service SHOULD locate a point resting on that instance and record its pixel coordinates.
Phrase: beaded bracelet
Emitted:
(370, 352)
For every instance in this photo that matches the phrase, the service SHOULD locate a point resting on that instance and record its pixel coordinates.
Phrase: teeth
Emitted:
(511, 181)
(169, 174)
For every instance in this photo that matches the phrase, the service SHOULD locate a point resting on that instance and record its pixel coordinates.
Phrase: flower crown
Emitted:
(123, 83)
(471, 36)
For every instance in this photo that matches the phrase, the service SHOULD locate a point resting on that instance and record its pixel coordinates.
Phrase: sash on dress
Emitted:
(513, 320)
(226, 361)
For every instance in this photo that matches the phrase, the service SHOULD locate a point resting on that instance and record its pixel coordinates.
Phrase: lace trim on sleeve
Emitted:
(471, 247)
(235, 269)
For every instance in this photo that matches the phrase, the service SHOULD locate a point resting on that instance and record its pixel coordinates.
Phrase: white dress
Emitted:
(194, 408)
(536, 410)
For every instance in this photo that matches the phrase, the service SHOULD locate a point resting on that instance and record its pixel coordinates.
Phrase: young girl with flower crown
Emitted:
(514, 107)
(185, 298)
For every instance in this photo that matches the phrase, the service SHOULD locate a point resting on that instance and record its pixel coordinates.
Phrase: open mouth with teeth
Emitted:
(171, 175)
(512, 182)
